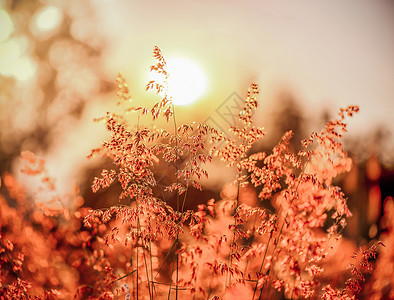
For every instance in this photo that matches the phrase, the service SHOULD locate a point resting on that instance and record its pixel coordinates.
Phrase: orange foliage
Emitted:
(230, 248)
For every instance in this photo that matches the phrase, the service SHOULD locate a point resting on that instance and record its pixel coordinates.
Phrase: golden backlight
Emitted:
(187, 81)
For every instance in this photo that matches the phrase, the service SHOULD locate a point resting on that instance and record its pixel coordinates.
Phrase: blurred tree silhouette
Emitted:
(288, 116)
(49, 68)
(285, 115)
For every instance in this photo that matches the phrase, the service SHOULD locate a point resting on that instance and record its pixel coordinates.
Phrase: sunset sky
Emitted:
(327, 53)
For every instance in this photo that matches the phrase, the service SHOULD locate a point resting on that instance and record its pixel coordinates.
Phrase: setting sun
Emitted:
(187, 81)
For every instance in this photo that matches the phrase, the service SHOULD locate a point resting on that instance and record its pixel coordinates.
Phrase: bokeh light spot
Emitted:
(14, 63)
(6, 26)
(47, 19)
(24, 68)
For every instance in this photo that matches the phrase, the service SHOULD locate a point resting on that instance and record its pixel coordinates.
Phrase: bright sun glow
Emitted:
(187, 81)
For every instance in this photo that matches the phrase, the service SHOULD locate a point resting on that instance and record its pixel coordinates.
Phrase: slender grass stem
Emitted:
(177, 197)
(261, 266)
(230, 258)
(169, 284)
(138, 228)
(124, 276)
(147, 275)
(251, 241)
(151, 261)
(172, 270)
(137, 285)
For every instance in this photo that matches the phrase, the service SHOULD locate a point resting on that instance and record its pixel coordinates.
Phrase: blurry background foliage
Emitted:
(49, 69)
(53, 83)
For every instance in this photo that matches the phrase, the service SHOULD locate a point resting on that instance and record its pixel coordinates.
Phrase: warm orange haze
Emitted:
(249, 156)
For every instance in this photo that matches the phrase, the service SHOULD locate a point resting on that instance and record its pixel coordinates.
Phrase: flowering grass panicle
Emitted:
(270, 235)
(260, 250)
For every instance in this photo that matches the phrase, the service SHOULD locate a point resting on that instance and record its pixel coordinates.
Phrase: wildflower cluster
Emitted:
(45, 251)
(253, 249)
(267, 237)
